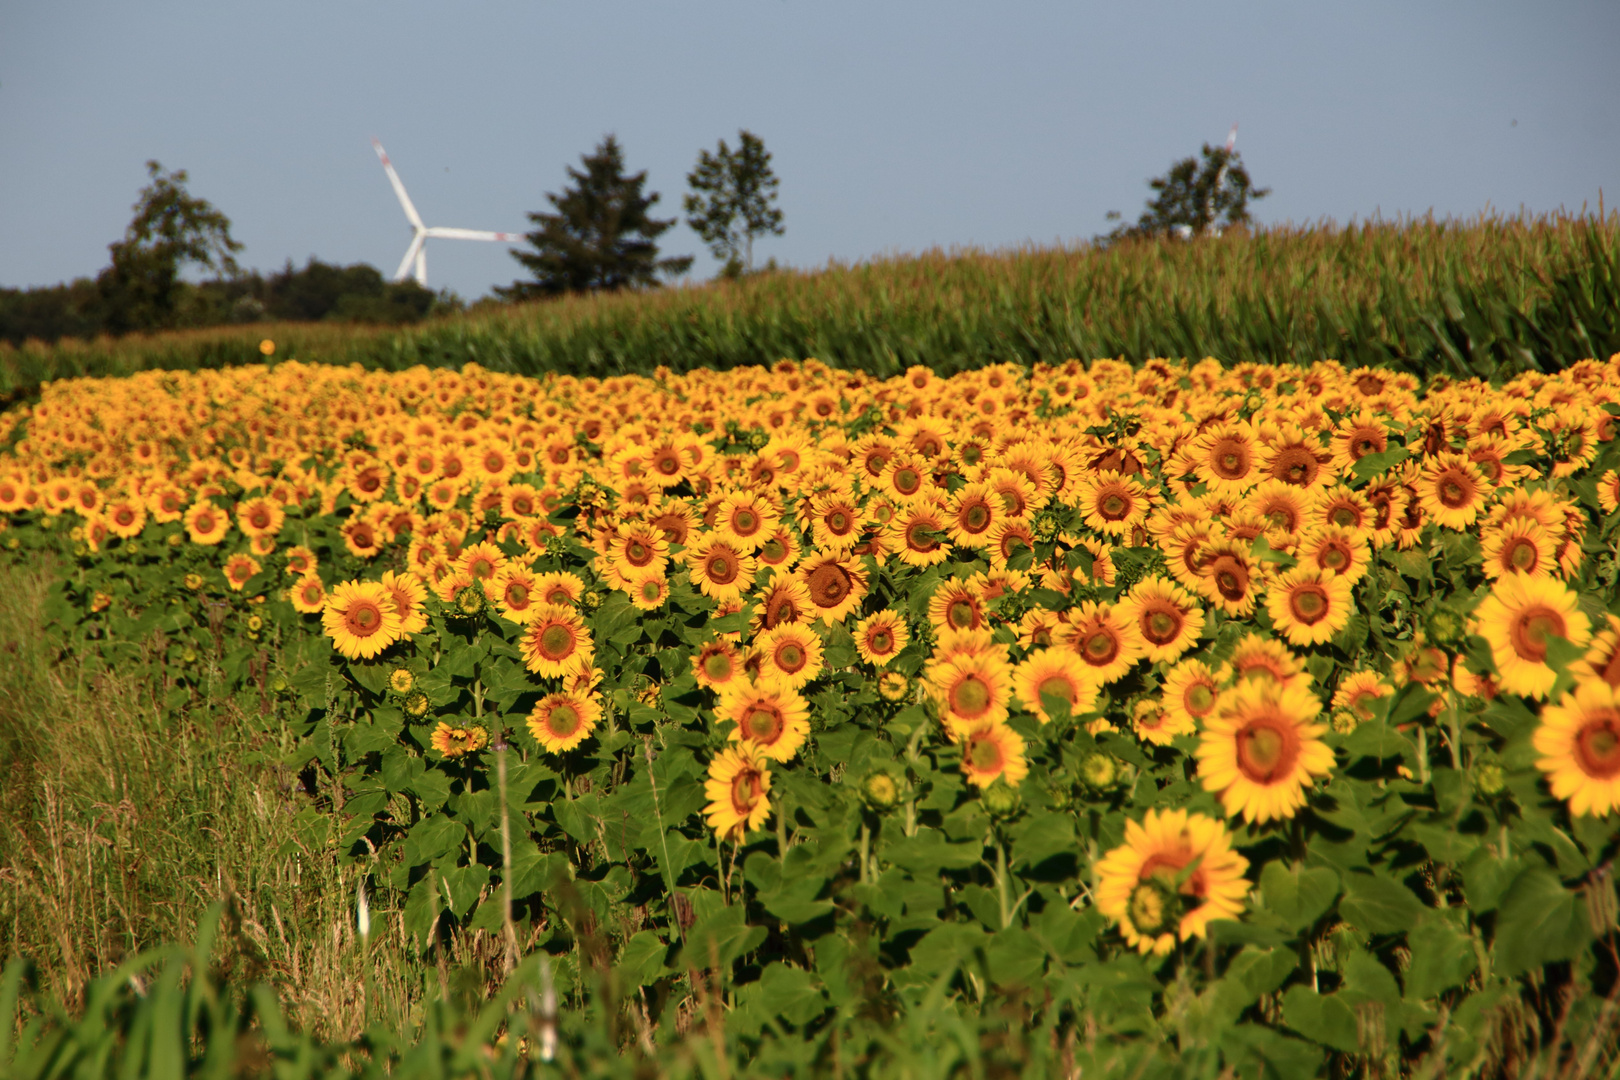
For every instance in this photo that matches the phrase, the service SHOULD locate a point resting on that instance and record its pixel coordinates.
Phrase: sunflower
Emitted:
(1519, 545)
(560, 588)
(779, 549)
(1579, 743)
(1111, 503)
(957, 605)
(1168, 618)
(991, 752)
(1308, 606)
(835, 520)
(360, 619)
(718, 663)
(409, 593)
(1154, 723)
(791, 653)
(1335, 549)
(206, 523)
(638, 547)
(556, 641)
(1360, 691)
(1452, 490)
(1227, 459)
(837, 585)
(1517, 618)
(239, 569)
(972, 512)
(970, 689)
(1174, 873)
(1229, 577)
(362, 537)
(738, 791)
(1010, 537)
(1341, 507)
(744, 520)
(768, 714)
(918, 534)
(718, 568)
(1105, 638)
(308, 595)
(1057, 673)
(1356, 437)
(880, 637)
(648, 589)
(481, 561)
(1261, 750)
(1602, 660)
(458, 740)
(560, 722)
(259, 516)
(783, 599)
(1192, 689)
(513, 590)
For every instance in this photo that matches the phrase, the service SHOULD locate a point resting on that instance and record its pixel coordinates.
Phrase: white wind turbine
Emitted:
(417, 252)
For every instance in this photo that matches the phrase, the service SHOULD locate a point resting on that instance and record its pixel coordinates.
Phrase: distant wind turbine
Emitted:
(417, 252)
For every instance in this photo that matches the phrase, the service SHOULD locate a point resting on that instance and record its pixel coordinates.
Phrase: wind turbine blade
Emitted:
(421, 266)
(399, 187)
(410, 255)
(448, 233)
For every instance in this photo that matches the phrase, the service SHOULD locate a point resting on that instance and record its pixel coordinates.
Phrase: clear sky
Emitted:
(896, 125)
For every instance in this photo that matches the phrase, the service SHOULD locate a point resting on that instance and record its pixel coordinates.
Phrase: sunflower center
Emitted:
(721, 569)
(976, 517)
(1521, 554)
(1267, 749)
(563, 720)
(517, 595)
(970, 697)
(763, 723)
(1155, 907)
(651, 590)
(960, 614)
(790, 657)
(364, 618)
(1296, 465)
(1455, 491)
(556, 641)
(1345, 517)
(717, 666)
(1100, 648)
(773, 551)
(1230, 459)
(1597, 747)
(1334, 557)
(1308, 604)
(1200, 699)
(1114, 507)
(744, 791)
(880, 642)
(1231, 578)
(1162, 625)
(839, 522)
(1530, 630)
(985, 755)
(829, 584)
(907, 481)
(920, 537)
(744, 522)
(1056, 686)
(637, 554)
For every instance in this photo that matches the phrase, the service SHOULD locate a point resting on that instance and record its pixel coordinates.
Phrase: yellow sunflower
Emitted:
(1154, 723)
(837, 586)
(768, 714)
(556, 641)
(1175, 872)
(1519, 545)
(991, 751)
(560, 722)
(1308, 606)
(360, 618)
(648, 589)
(308, 595)
(1192, 689)
(718, 568)
(206, 523)
(791, 652)
(880, 637)
(1105, 639)
(1168, 618)
(1579, 743)
(717, 664)
(513, 590)
(409, 594)
(457, 740)
(1058, 673)
(1452, 490)
(1517, 619)
(738, 790)
(1261, 749)
(1111, 503)
(957, 605)
(970, 689)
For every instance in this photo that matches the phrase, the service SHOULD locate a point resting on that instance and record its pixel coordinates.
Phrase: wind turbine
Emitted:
(417, 252)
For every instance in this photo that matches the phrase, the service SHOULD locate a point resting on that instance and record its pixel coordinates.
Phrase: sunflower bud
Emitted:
(174, 540)
(1345, 721)
(416, 704)
(1155, 907)
(1100, 772)
(1000, 799)
(1445, 627)
(881, 790)
(893, 686)
(278, 684)
(1489, 779)
(470, 602)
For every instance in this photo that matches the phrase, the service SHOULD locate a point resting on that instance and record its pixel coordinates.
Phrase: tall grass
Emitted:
(1486, 297)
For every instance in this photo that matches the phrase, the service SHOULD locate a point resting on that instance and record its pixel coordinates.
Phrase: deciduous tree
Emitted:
(733, 200)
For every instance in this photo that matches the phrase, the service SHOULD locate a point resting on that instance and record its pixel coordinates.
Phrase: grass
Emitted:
(1483, 297)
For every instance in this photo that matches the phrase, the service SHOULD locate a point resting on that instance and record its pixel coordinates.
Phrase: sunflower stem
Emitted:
(866, 845)
(1003, 886)
(1423, 754)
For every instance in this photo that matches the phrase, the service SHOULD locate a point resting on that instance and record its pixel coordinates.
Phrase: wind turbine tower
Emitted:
(417, 252)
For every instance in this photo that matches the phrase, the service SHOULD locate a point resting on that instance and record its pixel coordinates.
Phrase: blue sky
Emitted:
(896, 126)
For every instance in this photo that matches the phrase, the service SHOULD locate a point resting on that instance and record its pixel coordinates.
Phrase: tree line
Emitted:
(600, 234)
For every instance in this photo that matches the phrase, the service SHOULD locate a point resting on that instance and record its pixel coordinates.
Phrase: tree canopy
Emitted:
(600, 235)
(1196, 197)
(733, 201)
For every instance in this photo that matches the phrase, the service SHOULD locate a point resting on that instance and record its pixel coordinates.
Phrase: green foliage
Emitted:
(733, 200)
(171, 229)
(1484, 299)
(600, 237)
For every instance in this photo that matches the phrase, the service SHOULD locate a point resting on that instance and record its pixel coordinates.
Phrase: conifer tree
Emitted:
(600, 236)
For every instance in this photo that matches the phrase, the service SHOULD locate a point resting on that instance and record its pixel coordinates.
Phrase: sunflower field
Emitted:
(1158, 720)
